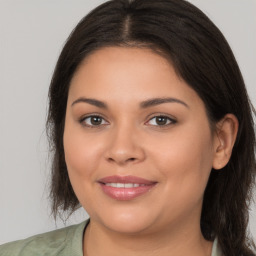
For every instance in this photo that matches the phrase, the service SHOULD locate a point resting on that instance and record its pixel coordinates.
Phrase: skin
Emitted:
(128, 140)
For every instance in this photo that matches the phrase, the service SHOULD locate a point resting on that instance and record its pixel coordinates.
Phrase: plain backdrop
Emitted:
(32, 33)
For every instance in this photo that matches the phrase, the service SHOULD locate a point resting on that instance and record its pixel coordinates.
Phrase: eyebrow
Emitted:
(158, 101)
(94, 102)
(143, 104)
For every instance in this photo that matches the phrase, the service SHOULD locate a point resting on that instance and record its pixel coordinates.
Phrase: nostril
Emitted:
(131, 159)
(111, 159)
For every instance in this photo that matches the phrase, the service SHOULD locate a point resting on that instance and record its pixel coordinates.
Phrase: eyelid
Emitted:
(172, 119)
(84, 117)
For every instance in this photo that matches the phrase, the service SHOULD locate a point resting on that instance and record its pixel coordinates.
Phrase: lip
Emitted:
(122, 193)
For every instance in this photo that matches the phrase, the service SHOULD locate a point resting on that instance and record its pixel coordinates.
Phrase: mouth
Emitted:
(125, 187)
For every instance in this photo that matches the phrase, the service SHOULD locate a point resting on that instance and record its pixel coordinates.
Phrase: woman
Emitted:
(152, 133)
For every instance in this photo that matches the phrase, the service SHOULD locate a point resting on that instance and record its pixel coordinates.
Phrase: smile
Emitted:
(125, 187)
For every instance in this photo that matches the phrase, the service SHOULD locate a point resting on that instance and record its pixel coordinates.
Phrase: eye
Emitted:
(93, 121)
(161, 121)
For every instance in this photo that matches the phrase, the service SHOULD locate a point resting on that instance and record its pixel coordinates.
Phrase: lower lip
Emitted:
(124, 194)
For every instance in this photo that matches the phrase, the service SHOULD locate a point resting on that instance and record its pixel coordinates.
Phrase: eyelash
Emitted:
(170, 121)
(82, 121)
(167, 118)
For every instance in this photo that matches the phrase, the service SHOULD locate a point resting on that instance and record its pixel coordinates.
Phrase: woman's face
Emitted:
(138, 144)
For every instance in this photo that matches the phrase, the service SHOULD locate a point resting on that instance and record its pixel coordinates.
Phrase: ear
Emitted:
(224, 140)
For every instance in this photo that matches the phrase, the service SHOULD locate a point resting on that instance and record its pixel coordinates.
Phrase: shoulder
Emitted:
(59, 242)
(216, 250)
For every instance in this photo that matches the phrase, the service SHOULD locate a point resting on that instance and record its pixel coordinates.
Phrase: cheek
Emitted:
(82, 158)
(81, 153)
(185, 160)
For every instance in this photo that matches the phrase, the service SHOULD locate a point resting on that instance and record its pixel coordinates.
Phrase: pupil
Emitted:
(96, 120)
(161, 120)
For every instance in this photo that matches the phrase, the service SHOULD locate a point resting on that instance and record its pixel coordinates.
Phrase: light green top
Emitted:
(62, 242)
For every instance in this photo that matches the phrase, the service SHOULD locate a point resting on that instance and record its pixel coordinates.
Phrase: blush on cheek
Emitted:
(81, 159)
(187, 163)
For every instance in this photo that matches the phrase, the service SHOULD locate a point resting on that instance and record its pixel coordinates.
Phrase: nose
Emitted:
(124, 146)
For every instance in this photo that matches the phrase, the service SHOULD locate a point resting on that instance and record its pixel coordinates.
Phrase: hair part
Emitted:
(201, 56)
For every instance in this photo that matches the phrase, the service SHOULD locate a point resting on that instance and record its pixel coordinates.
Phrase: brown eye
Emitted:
(93, 121)
(96, 120)
(161, 121)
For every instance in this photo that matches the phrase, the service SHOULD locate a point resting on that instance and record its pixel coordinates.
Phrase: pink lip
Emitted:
(126, 193)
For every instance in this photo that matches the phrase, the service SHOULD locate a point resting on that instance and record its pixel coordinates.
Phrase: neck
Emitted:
(172, 241)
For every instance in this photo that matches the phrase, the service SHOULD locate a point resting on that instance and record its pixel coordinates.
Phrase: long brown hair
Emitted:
(202, 57)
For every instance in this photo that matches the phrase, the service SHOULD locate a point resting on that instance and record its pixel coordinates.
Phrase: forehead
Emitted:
(124, 78)
(130, 70)
(123, 61)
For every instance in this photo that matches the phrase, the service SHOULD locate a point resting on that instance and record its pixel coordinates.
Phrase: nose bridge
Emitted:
(124, 144)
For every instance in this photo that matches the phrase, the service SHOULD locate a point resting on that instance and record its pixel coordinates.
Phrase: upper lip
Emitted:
(125, 179)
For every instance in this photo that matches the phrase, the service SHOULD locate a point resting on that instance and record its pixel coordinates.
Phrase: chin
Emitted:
(129, 227)
(127, 222)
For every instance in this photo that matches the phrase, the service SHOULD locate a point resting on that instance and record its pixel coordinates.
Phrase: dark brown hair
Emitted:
(202, 57)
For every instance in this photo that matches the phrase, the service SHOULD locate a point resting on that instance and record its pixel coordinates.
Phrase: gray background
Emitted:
(32, 35)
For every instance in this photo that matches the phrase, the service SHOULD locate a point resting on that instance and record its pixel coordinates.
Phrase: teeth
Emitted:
(124, 185)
